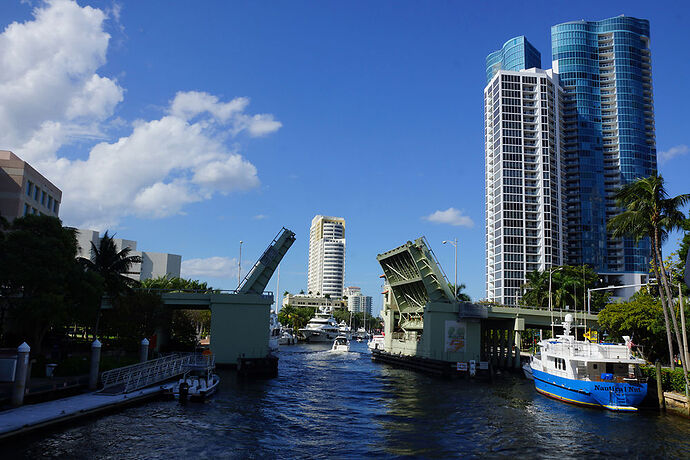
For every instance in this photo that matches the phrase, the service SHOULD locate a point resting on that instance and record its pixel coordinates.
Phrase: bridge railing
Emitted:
(266, 294)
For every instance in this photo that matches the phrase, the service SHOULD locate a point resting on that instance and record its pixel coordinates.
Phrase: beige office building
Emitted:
(23, 190)
(326, 256)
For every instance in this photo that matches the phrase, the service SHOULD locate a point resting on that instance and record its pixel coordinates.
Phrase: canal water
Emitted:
(332, 405)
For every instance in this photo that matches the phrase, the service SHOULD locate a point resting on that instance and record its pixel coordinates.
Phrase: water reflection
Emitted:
(335, 405)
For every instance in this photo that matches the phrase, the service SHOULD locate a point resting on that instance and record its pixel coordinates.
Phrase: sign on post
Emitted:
(473, 367)
(462, 367)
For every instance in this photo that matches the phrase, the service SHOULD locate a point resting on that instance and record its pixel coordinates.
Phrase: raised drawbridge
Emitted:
(421, 315)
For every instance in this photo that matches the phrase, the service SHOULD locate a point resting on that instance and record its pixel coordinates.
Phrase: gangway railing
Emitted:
(131, 378)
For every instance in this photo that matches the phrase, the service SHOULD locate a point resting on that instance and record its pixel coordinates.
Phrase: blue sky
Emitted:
(189, 126)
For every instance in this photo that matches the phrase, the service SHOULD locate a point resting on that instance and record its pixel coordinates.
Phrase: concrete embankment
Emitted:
(29, 418)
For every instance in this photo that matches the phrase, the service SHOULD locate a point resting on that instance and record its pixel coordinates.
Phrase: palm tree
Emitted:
(113, 266)
(649, 212)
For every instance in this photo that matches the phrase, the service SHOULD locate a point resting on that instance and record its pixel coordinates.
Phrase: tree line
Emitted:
(47, 291)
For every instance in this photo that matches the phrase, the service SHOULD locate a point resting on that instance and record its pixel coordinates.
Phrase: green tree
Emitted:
(173, 283)
(462, 296)
(569, 286)
(113, 266)
(295, 317)
(649, 212)
(43, 285)
(641, 318)
(134, 315)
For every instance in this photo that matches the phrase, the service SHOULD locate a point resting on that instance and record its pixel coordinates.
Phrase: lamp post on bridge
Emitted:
(239, 267)
(455, 285)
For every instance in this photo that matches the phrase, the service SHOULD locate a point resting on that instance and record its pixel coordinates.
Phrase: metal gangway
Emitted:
(131, 378)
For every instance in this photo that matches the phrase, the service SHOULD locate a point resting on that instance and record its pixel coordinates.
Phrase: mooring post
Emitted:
(144, 351)
(95, 363)
(659, 389)
(20, 374)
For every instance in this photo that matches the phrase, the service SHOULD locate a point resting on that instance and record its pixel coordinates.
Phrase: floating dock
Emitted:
(30, 418)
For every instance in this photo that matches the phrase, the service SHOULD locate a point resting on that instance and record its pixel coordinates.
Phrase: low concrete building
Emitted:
(305, 300)
(24, 191)
(153, 264)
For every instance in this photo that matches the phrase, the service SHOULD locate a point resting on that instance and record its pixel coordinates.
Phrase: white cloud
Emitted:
(673, 152)
(260, 217)
(450, 216)
(212, 267)
(51, 95)
(49, 89)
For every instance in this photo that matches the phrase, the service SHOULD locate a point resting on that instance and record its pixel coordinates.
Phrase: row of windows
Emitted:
(41, 196)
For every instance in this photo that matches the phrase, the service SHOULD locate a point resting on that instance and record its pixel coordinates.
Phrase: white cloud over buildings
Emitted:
(52, 96)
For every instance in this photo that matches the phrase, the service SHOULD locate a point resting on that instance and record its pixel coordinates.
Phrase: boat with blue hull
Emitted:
(587, 373)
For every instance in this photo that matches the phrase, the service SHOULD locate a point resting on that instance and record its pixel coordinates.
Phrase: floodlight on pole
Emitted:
(455, 285)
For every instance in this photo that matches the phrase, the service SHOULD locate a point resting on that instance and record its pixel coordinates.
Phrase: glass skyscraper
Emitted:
(602, 137)
(609, 136)
(516, 54)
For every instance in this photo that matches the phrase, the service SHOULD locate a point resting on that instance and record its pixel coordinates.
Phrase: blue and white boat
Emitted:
(589, 374)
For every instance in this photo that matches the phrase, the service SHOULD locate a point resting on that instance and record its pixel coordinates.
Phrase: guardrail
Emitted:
(131, 378)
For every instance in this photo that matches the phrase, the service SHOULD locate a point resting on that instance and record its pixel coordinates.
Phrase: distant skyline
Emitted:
(189, 126)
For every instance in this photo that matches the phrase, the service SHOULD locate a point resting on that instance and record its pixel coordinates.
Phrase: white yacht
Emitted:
(341, 344)
(321, 328)
(345, 329)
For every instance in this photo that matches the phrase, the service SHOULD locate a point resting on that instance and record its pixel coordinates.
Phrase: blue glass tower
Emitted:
(609, 135)
(516, 54)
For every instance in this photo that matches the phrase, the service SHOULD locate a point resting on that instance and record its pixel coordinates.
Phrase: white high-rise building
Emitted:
(326, 256)
(524, 200)
(356, 301)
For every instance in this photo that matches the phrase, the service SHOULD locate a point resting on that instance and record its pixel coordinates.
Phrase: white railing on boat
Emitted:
(590, 350)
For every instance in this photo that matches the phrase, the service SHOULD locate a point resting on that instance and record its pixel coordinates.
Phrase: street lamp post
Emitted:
(239, 267)
(455, 285)
(589, 292)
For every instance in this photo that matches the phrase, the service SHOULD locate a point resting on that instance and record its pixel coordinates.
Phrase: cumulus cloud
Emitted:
(450, 216)
(212, 267)
(49, 89)
(673, 152)
(51, 95)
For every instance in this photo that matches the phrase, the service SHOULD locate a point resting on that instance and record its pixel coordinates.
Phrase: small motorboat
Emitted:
(287, 337)
(197, 383)
(341, 344)
(377, 342)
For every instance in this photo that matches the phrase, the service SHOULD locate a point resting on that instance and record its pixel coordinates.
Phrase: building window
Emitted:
(26, 209)
(56, 206)
(36, 192)
(29, 187)
(34, 210)
(50, 202)
(43, 197)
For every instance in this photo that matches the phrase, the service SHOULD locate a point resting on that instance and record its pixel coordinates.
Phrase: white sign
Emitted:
(473, 367)
(484, 365)
(462, 367)
(455, 336)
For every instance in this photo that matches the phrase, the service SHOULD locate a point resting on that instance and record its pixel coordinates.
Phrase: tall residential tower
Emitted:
(326, 256)
(559, 144)
(606, 72)
(524, 219)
